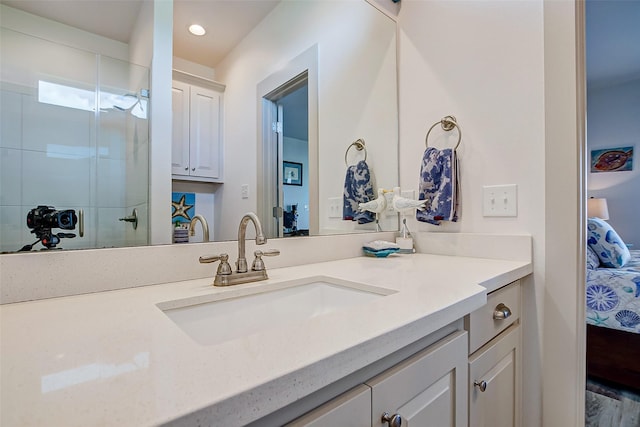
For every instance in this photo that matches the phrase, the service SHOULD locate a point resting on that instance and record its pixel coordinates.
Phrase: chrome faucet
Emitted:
(241, 264)
(205, 227)
(225, 276)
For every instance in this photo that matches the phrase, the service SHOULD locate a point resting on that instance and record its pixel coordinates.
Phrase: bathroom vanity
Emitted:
(117, 358)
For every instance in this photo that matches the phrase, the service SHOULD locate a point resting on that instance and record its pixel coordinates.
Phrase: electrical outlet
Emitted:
(335, 207)
(500, 200)
(244, 191)
(389, 199)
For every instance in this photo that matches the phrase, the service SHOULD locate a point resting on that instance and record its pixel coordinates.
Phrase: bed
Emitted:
(613, 321)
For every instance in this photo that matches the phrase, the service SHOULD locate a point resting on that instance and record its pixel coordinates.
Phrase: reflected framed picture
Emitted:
(291, 173)
(618, 159)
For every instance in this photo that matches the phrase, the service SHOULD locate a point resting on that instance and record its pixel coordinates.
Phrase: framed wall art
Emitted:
(612, 159)
(292, 173)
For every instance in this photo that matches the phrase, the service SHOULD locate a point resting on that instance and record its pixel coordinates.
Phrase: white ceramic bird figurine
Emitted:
(376, 206)
(403, 204)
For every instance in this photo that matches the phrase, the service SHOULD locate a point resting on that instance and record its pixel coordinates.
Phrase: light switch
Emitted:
(244, 191)
(500, 200)
(335, 207)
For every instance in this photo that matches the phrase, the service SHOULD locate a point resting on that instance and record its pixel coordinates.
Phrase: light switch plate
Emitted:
(500, 200)
(244, 191)
(335, 207)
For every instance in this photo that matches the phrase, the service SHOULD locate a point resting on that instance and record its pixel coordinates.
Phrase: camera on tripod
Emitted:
(42, 219)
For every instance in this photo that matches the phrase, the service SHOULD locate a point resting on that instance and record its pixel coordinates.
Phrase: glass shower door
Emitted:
(70, 140)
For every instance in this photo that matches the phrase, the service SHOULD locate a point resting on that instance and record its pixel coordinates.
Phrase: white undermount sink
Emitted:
(215, 318)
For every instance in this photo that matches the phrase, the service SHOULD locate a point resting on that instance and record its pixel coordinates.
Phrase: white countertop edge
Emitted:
(232, 412)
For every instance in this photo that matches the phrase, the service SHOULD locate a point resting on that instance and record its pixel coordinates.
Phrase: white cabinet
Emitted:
(351, 409)
(494, 369)
(494, 365)
(196, 152)
(426, 389)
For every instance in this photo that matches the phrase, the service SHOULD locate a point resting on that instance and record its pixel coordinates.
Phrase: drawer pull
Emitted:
(482, 385)
(501, 312)
(394, 420)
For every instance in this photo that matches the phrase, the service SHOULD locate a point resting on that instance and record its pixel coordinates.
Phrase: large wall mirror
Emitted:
(75, 117)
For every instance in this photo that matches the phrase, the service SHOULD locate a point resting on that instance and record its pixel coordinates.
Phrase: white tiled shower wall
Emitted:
(59, 156)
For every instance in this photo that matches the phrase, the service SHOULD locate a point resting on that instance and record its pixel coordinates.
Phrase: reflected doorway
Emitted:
(287, 185)
(286, 114)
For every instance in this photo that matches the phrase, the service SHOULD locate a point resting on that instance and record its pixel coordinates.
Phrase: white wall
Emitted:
(266, 50)
(483, 62)
(613, 120)
(160, 21)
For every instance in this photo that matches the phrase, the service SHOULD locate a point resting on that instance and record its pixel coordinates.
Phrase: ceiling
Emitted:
(227, 21)
(612, 28)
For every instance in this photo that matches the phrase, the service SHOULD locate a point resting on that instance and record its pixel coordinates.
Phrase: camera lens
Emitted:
(48, 217)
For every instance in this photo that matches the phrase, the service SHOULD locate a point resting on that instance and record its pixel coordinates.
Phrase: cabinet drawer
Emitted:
(352, 409)
(482, 325)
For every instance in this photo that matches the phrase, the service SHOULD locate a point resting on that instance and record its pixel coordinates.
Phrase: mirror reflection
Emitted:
(244, 139)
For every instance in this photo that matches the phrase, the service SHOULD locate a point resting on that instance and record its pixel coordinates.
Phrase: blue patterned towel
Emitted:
(439, 185)
(357, 189)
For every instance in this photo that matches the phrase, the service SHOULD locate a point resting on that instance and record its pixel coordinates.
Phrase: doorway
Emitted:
(286, 112)
(287, 187)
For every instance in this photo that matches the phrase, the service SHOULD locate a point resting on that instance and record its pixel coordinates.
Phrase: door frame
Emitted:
(294, 72)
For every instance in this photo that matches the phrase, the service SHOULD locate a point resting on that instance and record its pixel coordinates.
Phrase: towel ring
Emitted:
(359, 144)
(447, 123)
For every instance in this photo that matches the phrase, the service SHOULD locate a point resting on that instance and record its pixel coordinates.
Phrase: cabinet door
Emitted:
(205, 133)
(497, 364)
(352, 409)
(428, 389)
(180, 132)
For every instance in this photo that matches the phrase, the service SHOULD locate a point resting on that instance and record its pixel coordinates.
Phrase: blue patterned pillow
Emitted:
(606, 243)
(593, 261)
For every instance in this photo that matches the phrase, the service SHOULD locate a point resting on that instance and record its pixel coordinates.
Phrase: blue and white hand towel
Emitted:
(439, 185)
(357, 189)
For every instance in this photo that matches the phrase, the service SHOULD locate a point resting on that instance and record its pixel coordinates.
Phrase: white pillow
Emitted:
(606, 243)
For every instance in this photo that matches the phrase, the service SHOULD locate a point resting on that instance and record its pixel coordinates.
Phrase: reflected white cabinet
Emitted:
(494, 365)
(196, 152)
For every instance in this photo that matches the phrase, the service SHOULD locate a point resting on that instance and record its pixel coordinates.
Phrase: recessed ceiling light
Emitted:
(197, 30)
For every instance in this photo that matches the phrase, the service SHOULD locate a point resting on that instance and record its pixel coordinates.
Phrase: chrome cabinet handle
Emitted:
(394, 420)
(501, 312)
(187, 168)
(482, 385)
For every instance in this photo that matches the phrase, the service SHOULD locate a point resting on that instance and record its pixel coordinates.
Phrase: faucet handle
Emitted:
(258, 264)
(224, 268)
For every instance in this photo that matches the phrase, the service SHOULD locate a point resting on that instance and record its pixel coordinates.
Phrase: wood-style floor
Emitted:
(610, 407)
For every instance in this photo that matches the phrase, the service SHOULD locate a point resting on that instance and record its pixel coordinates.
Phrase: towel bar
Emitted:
(359, 144)
(447, 123)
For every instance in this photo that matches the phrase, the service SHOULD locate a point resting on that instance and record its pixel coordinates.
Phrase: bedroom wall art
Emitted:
(612, 160)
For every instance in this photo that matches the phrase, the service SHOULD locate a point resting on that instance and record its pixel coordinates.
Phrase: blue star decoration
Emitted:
(180, 209)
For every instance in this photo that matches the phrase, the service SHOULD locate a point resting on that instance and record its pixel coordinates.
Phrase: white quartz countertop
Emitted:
(115, 359)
